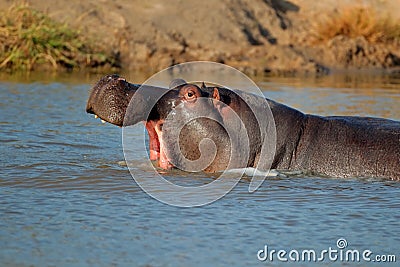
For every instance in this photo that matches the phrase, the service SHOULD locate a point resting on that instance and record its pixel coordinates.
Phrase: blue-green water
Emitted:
(66, 201)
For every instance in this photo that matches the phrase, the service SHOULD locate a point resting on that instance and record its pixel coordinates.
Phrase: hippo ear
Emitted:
(216, 94)
(216, 99)
(175, 83)
(203, 85)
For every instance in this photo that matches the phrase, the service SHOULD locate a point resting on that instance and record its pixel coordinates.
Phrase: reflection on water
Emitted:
(66, 199)
(374, 102)
(339, 80)
(358, 95)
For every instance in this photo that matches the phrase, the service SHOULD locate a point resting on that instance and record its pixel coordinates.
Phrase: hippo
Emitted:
(337, 146)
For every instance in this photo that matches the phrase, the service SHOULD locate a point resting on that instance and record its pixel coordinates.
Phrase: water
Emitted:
(66, 201)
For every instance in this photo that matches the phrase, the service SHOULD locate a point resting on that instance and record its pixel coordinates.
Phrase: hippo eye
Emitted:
(190, 95)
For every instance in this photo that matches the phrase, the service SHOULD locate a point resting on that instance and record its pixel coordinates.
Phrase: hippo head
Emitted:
(180, 117)
(110, 97)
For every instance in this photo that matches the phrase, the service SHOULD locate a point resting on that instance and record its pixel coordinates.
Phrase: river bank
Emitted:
(257, 37)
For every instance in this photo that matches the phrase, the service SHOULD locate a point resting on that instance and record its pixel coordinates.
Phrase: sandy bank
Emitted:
(256, 36)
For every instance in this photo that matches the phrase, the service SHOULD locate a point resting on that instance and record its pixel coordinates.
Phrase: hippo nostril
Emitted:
(113, 77)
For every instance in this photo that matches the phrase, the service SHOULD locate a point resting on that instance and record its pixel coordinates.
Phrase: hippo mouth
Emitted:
(110, 98)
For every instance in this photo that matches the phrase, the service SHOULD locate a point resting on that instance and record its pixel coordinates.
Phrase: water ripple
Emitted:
(66, 198)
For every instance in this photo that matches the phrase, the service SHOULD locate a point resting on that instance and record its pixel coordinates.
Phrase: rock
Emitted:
(359, 53)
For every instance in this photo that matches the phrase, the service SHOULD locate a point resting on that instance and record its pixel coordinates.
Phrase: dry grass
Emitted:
(356, 21)
(29, 38)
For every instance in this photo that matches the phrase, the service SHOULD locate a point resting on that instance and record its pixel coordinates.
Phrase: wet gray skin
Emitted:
(338, 146)
(110, 97)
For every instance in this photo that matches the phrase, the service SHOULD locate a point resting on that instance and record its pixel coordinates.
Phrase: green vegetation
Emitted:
(30, 39)
(356, 21)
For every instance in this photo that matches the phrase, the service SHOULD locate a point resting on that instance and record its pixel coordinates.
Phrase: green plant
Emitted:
(29, 38)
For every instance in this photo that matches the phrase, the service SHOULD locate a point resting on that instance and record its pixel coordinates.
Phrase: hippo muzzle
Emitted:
(110, 97)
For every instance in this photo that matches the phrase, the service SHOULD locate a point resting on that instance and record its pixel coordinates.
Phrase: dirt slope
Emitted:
(257, 36)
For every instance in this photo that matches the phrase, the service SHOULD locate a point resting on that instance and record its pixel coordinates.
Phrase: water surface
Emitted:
(65, 199)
